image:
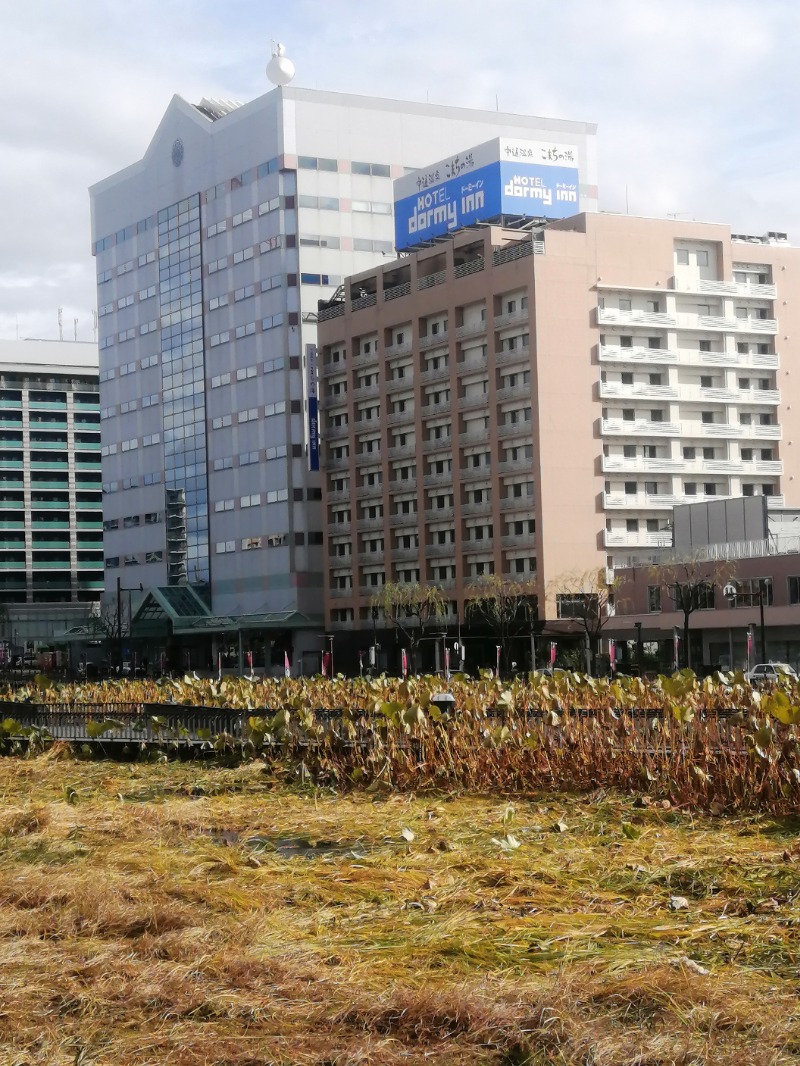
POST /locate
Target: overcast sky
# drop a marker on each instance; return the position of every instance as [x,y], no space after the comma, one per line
[696,101]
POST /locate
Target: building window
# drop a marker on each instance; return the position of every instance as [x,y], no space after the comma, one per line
[653,598]
[581,605]
[794,590]
[747,591]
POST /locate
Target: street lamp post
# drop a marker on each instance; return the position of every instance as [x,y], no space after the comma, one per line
[730,591]
[120,590]
[761,619]
[639,649]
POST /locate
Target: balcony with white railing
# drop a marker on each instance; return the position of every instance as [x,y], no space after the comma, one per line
[613,316]
[710,429]
[698,394]
[644,501]
[616,390]
[616,464]
[763,432]
[620,427]
[686,320]
[614,538]
[611,353]
[726,288]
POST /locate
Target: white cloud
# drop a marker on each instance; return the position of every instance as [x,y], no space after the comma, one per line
[693,99]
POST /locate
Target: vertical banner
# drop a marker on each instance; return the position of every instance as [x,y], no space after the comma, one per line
[326,664]
[676,649]
[498,659]
[404,662]
[749,648]
[447,663]
[287,666]
[553,647]
[612,655]
[361,663]
[250,662]
[313,407]
[219,665]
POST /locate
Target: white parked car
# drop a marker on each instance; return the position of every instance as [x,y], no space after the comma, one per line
[770,672]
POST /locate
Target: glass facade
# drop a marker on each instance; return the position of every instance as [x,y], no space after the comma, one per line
[180,290]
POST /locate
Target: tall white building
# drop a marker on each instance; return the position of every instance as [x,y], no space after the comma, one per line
[212,253]
[51,550]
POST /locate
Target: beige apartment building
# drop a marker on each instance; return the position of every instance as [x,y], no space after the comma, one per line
[535,403]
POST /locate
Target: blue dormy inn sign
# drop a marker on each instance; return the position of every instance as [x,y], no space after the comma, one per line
[502,177]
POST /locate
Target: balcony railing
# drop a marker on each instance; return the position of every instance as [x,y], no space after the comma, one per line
[442,339]
[611,427]
[726,288]
[611,390]
[642,539]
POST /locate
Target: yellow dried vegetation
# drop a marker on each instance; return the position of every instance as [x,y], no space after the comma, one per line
[185,914]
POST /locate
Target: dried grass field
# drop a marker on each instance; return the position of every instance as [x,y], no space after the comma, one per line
[186,914]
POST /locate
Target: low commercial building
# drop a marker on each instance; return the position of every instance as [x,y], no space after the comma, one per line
[737,564]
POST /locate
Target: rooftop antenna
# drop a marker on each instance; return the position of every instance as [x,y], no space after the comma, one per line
[280,69]
[75,328]
[61,323]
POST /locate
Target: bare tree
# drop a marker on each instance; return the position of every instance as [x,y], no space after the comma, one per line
[587,598]
[691,582]
[411,609]
[506,606]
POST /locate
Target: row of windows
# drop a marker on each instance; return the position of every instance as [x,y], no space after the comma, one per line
[311,162]
[749,593]
[381,170]
[113,561]
[151,518]
[277,451]
[655,414]
[253,414]
[152,478]
[132,444]
[243,373]
[129,368]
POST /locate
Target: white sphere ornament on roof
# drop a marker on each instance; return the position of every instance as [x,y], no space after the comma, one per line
[280,69]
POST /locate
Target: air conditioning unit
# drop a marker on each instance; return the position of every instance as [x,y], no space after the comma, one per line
[609,575]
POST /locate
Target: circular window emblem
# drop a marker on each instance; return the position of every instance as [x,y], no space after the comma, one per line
[177,152]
